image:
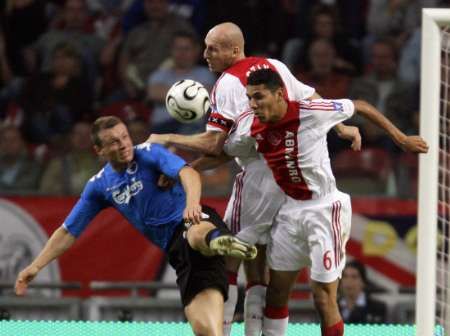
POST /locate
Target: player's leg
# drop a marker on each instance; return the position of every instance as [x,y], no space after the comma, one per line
[276,313]
[325,301]
[257,276]
[287,253]
[205,313]
[232,267]
[329,226]
[202,282]
[210,240]
[255,201]
[232,219]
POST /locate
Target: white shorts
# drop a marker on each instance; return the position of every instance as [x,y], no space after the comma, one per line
[312,233]
[254,204]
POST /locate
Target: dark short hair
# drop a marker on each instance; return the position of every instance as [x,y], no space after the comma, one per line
[192,36]
[359,267]
[103,123]
[271,79]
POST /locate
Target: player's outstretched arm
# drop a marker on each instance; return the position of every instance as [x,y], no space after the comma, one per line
[350,133]
[207,162]
[58,243]
[191,182]
[412,143]
[209,142]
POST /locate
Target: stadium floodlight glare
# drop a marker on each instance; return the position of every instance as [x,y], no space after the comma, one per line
[433,262]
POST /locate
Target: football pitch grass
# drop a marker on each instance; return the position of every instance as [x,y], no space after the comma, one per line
[56,328]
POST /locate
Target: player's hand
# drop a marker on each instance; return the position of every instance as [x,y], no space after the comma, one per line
[414,144]
[193,213]
[351,133]
[162,139]
[24,278]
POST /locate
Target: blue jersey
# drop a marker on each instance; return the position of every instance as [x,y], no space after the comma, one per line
[134,193]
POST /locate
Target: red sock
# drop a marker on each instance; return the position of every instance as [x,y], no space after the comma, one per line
[276,312]
[334,330]
[232,278]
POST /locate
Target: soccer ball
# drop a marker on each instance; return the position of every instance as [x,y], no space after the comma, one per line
[187,101]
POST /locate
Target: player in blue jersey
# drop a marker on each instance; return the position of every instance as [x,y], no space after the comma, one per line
[171,218]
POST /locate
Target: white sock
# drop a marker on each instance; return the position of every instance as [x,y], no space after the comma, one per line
[255,298]
[230,305]
[275,321]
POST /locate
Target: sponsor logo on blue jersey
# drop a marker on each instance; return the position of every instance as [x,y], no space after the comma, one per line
[123,195]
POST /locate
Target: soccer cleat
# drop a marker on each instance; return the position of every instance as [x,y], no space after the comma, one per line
[227,245]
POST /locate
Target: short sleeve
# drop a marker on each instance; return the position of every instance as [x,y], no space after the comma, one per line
[162,159]
[228,101]
[328,113]
[87,207]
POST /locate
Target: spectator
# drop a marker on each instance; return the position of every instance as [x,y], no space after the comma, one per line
[185,54]
[73,27]
[9,85]
[409,64]
[324,23]
[68,173]
[396,18]
[321,75]
[54,100]
[355,303]
[381,87]
[192,10]
[148,45]
[18,171]
[352,12]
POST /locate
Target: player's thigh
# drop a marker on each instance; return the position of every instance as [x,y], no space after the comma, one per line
[253,205]
[288,248]
[328,231]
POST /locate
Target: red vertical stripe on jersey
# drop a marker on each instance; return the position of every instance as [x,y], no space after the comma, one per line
[339,230]
[279,144]
[333,224]
[236,211]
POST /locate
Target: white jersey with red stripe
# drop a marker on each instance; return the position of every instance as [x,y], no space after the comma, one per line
[256,198]
[295,148]
[229,100]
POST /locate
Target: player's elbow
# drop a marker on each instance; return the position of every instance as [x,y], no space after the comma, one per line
[214,142]
[360,105]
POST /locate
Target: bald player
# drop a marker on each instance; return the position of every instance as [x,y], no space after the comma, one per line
[256,198]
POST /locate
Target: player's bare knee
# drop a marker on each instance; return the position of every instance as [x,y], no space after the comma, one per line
[201,326]
[277,297]
[194,236]
[324,300]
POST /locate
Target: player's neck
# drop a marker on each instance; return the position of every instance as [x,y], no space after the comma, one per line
[280,110]
[118,166]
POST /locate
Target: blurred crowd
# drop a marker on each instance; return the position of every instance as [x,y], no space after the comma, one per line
[65,62]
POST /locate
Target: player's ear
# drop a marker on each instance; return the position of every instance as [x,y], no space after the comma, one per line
[236,51]
[279,93]
[98,150]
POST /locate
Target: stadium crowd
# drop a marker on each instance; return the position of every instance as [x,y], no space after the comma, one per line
[63,63]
